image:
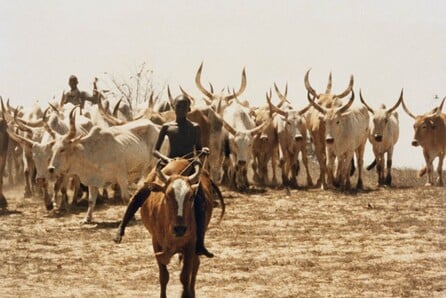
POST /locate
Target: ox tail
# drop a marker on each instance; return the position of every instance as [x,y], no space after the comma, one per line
[372,165]
[352,168]
[217,191]
[422,172]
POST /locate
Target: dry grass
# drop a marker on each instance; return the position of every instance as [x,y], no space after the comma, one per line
[387,242]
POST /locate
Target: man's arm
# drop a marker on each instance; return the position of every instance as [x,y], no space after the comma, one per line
[198,145]
[161,137]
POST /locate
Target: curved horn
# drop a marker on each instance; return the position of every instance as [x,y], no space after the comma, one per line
[273,108]
[242,87]
[55,109]
[304,110]
[364,103]
[46,126]
[307,84]
[440,107]
[257,129]
[407,110]
[199,85]
[211,87]
[159,167]
[348,90]
[20,139]
[397,103]
[72,132]
[347,105]
[191,99]
[328,90]
[62,99]
[315,105]
[169,94]
[282,97]
[116,108]
[195,177]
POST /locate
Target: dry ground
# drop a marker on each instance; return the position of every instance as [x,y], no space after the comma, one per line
[312,243]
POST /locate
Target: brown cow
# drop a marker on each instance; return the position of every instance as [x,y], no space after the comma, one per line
[430,134]
[168,215]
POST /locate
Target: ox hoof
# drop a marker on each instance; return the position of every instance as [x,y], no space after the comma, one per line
[86,221]
[3,202]
[118,237]
[49,206]
[428,184]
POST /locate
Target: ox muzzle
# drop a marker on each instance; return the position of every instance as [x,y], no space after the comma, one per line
[415,143]
[378,137]
[298,138]
[329,140]
[179,230]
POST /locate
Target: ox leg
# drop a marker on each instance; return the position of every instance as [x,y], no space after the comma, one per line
[46,197]
[294,172]
[91,204]
[164,279]
[330,166]
[440,170]
[388,180]
[429,167]
[274,169]
[27,193]
[186,273]
[193,278]
[360,160]
[135,203]
[3,202]
[307,170]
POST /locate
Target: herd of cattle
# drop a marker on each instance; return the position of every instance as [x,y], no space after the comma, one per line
[97,146]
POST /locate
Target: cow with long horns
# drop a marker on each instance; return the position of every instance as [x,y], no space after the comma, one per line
[383,136]
[316,124]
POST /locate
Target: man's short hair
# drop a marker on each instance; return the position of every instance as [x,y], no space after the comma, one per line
[73,78]
[181,98]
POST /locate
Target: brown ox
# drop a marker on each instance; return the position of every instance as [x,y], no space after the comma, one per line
[430,134]
[168,215]
[316,125]
[383,137]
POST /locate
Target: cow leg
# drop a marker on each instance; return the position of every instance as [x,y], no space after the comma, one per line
[294,172]
[27,193]
[91,204]
[330,165]
[307,170]
[440,170]
[360,161]
[388,180]
[429,167]
[193,278]
[3,202]
[274,168]
[164,279]
[186,272]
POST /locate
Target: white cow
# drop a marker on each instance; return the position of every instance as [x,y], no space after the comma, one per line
[346,133]
[119,154]
[383,136]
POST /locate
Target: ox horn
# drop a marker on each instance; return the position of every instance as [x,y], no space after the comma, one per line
[257,129]
[54,109]
[328,90]
[62,99]
[109,118]
[273,108]
[20,139]
[159,172]
[5,113]
[116,108]
[407,110]
[195,177]
[389,111]
[440,107]
[346,106]
[315,105]
[242,87]
[200,87]
[348,90]
[191,99]
[72,132]
[365,104]
[282,97]
[307,84]
[305,109]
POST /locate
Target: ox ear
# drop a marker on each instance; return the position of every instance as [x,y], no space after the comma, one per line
[157,187]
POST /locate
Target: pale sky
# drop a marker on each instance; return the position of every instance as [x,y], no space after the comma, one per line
[386,45]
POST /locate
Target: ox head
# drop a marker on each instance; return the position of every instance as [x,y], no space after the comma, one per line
[179,195]
[327,99]
[381,116]
[332,118]
[63,149]
[426,125]
[213,99]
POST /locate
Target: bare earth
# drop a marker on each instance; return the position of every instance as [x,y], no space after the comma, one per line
[312,243]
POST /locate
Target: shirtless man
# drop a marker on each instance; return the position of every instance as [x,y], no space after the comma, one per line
[75,96]
[184,138]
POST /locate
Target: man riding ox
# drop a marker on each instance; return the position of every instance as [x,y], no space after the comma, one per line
[383,136]
[169,216]
[316,124]
[346,133]
[430,134]
[291,128]
[118,155]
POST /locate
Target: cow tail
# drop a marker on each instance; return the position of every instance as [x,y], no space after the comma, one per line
[372,165]
[217,191]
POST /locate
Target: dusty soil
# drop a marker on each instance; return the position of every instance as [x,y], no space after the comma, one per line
[311,243]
